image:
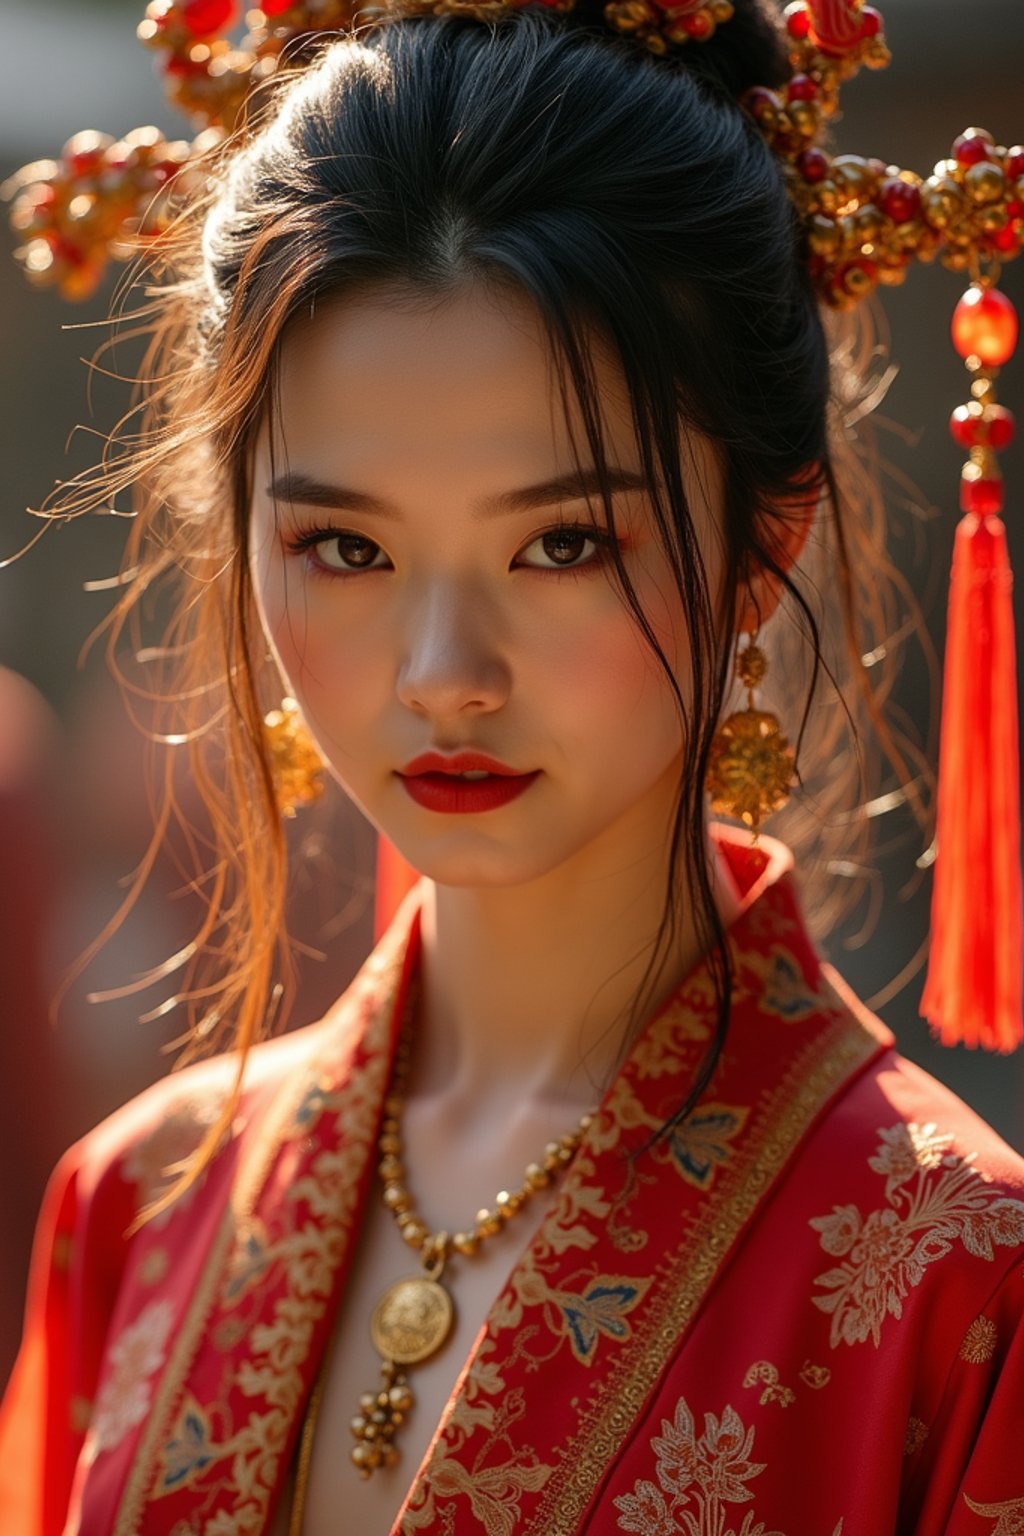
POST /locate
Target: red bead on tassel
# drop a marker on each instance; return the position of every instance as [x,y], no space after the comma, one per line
[974,991]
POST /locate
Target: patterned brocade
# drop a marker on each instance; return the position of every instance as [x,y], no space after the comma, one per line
[667,1354]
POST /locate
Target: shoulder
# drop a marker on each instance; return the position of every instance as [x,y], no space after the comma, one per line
[916,1124]
[126,1162]
[912,1209]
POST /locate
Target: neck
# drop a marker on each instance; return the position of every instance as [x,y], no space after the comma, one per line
[527,991]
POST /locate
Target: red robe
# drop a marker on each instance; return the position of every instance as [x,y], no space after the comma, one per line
[802,1316]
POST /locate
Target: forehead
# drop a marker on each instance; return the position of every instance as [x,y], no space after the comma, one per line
[390,369]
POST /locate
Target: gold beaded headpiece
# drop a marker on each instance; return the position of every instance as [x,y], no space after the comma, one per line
[866,222]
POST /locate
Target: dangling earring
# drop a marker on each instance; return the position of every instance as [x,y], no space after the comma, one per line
[295,763]
[750,767]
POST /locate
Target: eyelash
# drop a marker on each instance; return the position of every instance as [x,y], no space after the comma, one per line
[306,542]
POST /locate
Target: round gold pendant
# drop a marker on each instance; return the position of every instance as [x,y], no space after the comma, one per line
[412,1320]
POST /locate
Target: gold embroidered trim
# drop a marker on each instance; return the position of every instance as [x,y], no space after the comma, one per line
[248,1186]
[813,1078]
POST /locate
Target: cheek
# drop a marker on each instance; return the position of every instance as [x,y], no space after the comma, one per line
[606,683]
[321,661]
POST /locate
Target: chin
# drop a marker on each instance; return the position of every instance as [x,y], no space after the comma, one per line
[484,868]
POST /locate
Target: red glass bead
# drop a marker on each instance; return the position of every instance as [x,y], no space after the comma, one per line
[1007,242]
[205,18]
[1001,426]
[966,427]
[798,21]
[761,103]
[276,7]
[900,200]
[177,65]
[802,88]
[698,26]
[972,147]
[813,165]
[63,250]
[985,326]
[870,22]
[992,427]
[980,496]
[1015,162]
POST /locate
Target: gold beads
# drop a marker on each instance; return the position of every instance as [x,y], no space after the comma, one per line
[380,1414]
[413,1318]
[489,1221]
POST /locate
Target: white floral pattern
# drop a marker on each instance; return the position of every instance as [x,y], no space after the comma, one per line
[935,1198]
[132,1361]
[697,1477]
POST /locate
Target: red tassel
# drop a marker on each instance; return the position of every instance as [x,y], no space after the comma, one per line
[395,879]
[974,991]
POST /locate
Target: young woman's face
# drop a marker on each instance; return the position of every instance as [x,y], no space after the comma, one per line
[432,578]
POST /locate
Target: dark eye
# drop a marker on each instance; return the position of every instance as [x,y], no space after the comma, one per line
[348,552]
[561,547]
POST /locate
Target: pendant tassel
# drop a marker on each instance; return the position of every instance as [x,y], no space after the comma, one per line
[974,990]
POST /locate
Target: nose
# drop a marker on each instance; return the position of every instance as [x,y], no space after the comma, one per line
[452,662]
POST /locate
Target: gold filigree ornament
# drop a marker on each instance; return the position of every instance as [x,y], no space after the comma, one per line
[750,768]
[866,220]
[295,763]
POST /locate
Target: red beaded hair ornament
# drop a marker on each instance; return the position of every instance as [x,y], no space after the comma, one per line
[866,222]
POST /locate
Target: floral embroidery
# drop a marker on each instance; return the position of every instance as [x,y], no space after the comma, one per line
[493,1488]
[917,1434]
[935,1198]
[699,1475]
[979,1342]
[784,989]
[249,1260]
[154,1266]
[189,1450]
[147,1165]
[762,1371]
[601,1309]
[134,1358]
[1009,1515]
[815,1376]
[700,1145]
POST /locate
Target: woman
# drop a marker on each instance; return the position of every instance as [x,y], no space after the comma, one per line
[489,420]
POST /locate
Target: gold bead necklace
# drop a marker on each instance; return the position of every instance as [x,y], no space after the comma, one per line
[414,1317]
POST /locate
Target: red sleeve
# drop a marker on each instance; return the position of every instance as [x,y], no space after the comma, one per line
[77,1257]
[970,1477]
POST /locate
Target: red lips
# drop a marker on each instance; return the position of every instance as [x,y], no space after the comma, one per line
[433,781]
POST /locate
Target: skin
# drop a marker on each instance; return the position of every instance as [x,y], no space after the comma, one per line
[463,632]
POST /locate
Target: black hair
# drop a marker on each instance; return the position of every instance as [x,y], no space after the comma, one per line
[630,198]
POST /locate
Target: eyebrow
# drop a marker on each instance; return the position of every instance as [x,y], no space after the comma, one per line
[306,490]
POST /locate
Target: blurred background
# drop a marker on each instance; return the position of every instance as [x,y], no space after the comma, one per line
[74,815]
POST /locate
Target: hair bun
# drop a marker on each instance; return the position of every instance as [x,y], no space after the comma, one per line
[752,48]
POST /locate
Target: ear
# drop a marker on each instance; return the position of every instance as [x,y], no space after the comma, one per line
[758,596]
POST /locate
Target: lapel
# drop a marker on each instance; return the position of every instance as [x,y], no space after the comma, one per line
[600,1300]
[594,1306]
[247,1332]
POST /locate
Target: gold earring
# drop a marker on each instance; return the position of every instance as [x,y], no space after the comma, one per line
[750,766]
[295,763]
